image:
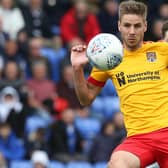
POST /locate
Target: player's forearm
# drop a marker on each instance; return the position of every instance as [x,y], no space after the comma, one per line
[81,87]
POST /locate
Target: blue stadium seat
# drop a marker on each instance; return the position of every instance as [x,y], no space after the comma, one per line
[55,164]
[79,165]
[109,89]
[33,123]
[106,106]
[54,57]
[20,164]
[28,164]
[100,165]
[88,127]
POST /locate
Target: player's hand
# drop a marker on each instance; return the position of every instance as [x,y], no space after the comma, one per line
[78,56]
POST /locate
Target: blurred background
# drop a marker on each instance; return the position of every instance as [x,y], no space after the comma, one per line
[42,124]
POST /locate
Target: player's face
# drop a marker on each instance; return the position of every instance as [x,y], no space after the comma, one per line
[132,28]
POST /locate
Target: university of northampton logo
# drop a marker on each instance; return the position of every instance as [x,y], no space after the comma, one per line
[121,78]
[151,56]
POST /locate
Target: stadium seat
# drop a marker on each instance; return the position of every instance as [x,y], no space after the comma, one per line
[107,103]
[54,57]
[28,164]
[33,123]
[78,165]
[20,164]
[100,165]
[108,89]
[88,127]
[106,106]
[55,164]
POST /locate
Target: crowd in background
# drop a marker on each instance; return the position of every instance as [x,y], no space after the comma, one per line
[39,109]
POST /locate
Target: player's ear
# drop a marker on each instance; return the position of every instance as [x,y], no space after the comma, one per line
[119,23]
[145,26]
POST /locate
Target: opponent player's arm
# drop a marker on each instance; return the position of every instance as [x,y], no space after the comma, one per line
[85,91]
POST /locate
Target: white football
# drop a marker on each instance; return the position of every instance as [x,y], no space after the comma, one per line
[105,51]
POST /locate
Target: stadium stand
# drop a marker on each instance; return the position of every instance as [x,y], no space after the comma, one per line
[21,34]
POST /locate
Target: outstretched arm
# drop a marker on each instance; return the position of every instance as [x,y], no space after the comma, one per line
[85,91]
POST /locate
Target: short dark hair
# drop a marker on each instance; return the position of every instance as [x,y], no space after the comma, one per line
[132,7]
[164,28]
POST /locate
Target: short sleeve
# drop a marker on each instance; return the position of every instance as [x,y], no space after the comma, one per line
[163,48]
[98,77]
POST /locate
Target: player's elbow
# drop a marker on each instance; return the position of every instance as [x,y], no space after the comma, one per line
[85,101]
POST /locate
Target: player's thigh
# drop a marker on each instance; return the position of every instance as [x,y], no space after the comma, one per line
[163,164]
[161,147]
[136,148]
[124,159]
[162,160]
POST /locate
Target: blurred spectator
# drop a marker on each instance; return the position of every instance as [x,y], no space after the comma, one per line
[3,162]
[163,10]
[22,2]
[108,17]
[36,20]
[60,104]
[103,144]
[11,53]
[94,5]
[12,110]
[34,55]
[40,88]
[158,13]
[3,35]
[10,146]
[165,31]
[153,7]
[66,88]
[157,29]
[11,17]
[40,159]
[78,25]
[55,9]
[37,140]
[12,76]
[9,100]
[65,140]
[22,41]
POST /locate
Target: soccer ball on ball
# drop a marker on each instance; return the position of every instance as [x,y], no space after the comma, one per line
[104,51]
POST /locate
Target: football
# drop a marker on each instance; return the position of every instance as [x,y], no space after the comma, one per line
[104,51]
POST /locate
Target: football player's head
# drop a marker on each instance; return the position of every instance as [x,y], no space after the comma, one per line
[132,23]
